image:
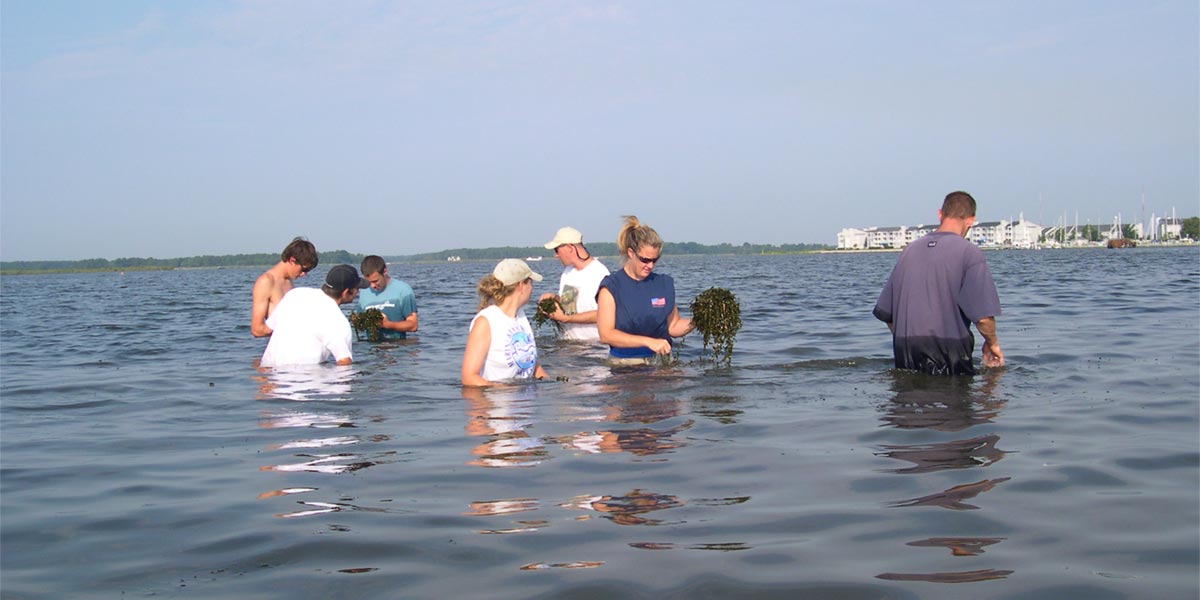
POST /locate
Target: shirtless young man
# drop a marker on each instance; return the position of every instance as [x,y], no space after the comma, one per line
[298,258]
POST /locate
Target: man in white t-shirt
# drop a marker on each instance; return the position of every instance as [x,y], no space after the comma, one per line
[578,286]
[308,325]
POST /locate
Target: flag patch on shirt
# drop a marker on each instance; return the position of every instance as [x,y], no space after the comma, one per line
[658,302]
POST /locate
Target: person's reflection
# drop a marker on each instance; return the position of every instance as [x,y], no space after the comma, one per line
[718,408]
[642,441]
[953,498]
[646,408]
[958,546]
[639,442]
[942,403]
[294,398]
[305,383]
[958,454]
[627,509]
[948,404]
[502,414]
[501,507]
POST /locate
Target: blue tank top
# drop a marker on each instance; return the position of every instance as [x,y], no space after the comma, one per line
[642,308]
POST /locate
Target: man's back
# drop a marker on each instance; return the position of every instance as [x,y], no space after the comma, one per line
[280,286]
[307,328]
[269,290]
[940,285]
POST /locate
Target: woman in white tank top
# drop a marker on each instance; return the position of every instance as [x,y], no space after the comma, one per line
[500,346]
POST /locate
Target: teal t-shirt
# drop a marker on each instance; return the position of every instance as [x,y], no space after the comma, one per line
[396,302]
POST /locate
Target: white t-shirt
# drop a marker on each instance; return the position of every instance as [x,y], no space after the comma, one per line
[512,353]
[577,290]
[307,327]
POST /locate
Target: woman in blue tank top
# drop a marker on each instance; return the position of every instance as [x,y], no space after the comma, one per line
[636,314]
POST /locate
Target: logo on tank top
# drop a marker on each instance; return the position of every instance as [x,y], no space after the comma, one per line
[931,243]
[658,302]
[521,351]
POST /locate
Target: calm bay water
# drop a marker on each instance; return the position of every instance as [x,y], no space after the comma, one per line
[143,454]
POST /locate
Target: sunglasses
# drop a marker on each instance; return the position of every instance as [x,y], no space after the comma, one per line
[647,261]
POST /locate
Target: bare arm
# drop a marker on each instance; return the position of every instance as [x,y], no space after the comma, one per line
[677,326]
[476,353]
[606,324]
[261,303]
[559,315]
[992,355]
[583,317]
[407,325]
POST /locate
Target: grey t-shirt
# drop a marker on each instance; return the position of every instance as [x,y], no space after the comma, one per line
[940,285]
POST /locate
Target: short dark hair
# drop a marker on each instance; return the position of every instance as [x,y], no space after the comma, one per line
[303,251]
[958,205]
[373,264]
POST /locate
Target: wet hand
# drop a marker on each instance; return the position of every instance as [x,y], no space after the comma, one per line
[992,355]
[660,346]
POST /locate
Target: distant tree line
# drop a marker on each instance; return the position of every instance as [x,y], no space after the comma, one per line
[191,262]
[610,249]
[344,257]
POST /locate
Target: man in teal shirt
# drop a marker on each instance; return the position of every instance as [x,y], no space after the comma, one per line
[392,297]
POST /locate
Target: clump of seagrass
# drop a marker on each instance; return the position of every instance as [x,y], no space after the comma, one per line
[542,316]
[716,314]
[367,322]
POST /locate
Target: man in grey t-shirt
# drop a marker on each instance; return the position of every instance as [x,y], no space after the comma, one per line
[941,285]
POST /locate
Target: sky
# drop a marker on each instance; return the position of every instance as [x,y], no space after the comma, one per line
[167,129]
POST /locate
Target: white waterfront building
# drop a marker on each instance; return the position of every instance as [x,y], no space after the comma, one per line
[1165,228]
[1000,234]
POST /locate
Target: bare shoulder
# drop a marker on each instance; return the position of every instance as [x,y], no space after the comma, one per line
[265,283]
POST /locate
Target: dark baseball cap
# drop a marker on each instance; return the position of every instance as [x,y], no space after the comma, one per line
[344,277]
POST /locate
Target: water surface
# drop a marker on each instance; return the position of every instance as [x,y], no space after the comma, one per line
[143,454]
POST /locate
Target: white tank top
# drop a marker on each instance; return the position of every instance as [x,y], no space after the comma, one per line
[512,353]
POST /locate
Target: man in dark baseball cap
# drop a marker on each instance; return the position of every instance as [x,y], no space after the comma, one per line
[308,326]
[341,278]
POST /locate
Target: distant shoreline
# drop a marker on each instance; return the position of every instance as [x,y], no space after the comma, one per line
[62,267]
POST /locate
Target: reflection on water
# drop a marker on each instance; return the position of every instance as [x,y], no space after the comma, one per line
[718,546]
[310,386]
[956,454]
[645,408]
[946,404]
[958,546]
[320,508]
[953,497]
[502,414]
[627,509]
[942,403]
[581,564]
[305,383]
[639,442]
[959,577]
[643,441]
[718,408]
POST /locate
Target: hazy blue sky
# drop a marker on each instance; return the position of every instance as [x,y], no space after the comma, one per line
[165,129]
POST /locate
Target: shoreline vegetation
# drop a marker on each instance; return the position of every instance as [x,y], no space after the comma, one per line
[598,249]
[265,260]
